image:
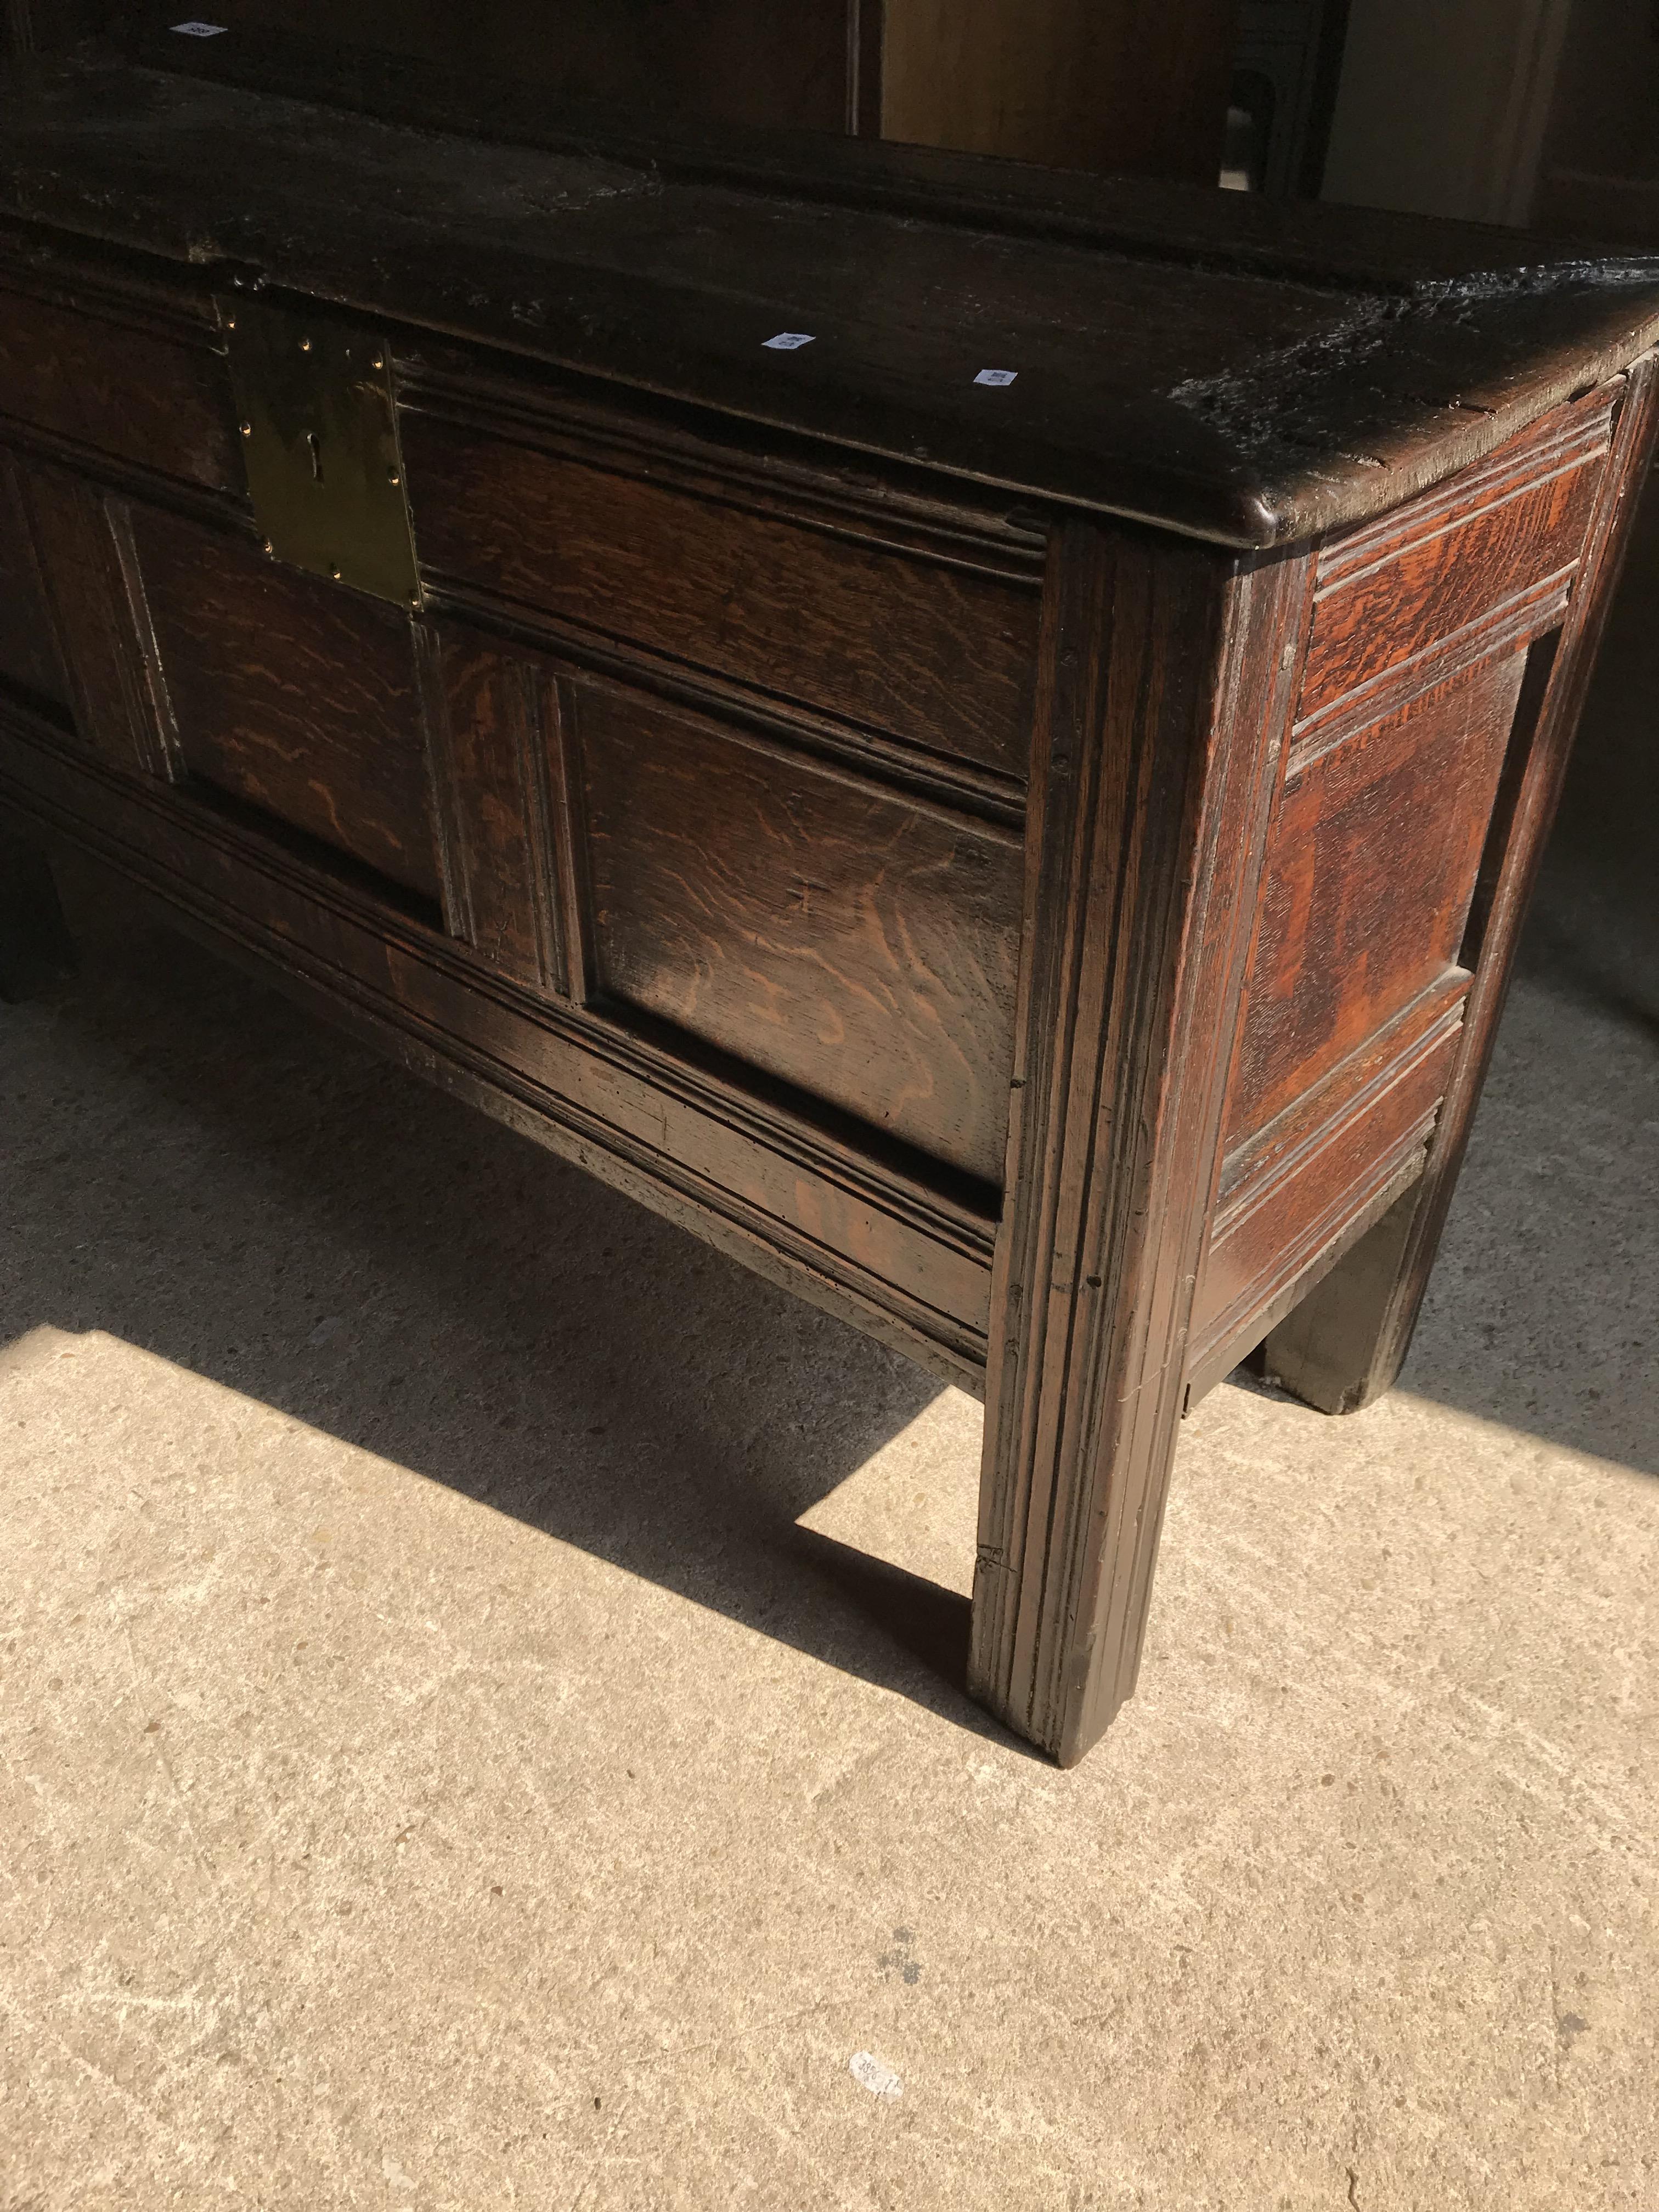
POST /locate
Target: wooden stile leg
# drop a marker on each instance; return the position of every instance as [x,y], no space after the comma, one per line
[1344,1345]
[1164,702]
[34,942]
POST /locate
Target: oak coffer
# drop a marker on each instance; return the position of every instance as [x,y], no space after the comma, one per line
[977,736]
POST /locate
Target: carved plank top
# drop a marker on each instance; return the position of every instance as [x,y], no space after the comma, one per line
[1250,374]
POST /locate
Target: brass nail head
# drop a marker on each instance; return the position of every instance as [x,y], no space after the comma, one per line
[248,429]
[305,345]
[392,477]
[268,547]
[379,360]
[335,573]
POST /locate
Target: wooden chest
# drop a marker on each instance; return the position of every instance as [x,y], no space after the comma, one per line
[977,737]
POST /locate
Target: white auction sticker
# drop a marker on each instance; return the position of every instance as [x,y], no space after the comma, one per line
[996,376]
[868,2071]
[201,30]
[787,341]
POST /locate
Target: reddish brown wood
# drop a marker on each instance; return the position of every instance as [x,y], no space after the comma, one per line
[790,610]
[83,538]
[1387,593]
[1374,859]
[1345,1344]
[291,695]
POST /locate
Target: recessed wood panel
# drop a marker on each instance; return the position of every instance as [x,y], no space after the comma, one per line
[29,658]
[293,694]
[491,710]
[119,390]
[1368,878]
[854,943]
[939,656]
[1387,592]
[1303,1194]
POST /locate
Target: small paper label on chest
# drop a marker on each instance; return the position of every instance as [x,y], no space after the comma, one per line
[787,341]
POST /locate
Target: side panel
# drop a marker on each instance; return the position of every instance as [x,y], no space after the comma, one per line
[1431,641]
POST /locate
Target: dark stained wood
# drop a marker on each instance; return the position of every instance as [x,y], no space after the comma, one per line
[738,61]
[35,945]
[1162,371]
[1116,84]
[118,389]
[842,937]
[742,814]
[488,714]
[1372,869]
[937,654]
[1345,1344]
[1165,703]
[291,695]
[28,653]
[99,620]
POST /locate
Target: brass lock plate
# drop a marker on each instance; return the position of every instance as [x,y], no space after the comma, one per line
[319,437]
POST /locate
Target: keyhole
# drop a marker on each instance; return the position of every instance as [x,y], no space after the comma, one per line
[316,455]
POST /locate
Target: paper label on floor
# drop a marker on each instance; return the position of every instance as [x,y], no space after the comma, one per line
[868,2071]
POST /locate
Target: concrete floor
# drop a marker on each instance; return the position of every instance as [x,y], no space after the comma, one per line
[439,1771]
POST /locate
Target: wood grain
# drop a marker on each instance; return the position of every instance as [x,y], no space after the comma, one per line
[292,695]
[1249,373]
[1345,1344]
[1292,1206]
[115,389]
[1166,699]
[1387,594]
[829,933]
[939,655]
[99,619]
[1369,880]
[488,712]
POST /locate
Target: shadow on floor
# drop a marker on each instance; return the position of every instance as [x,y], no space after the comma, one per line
[1544,1309]
[214,1178]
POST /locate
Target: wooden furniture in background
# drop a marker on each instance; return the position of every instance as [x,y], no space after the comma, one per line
[1030,865]
[1125,85]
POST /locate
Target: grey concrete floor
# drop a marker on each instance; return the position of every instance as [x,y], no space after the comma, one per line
[450,1758]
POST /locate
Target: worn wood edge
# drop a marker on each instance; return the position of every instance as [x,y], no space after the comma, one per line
[1240,504]
[1474,492]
